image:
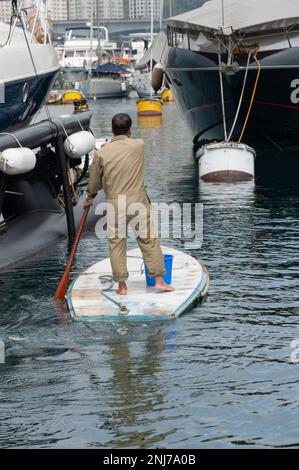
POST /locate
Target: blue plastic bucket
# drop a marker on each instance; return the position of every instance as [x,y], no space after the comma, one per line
[168,261]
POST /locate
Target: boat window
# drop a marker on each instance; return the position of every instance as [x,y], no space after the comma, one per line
[175,39]
[69,54]
[81,54]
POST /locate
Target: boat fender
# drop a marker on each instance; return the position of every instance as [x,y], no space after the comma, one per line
[79,144]
[100,143]
[157,77]
[17,161]
[123,86]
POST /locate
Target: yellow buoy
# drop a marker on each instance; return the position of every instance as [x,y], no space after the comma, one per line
[149,107]
[70,96]
[167,96]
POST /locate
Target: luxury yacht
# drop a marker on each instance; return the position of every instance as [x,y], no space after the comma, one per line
[233,66]
[28,70]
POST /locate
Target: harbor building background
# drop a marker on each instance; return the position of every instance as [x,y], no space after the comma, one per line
[5,11]
[81,9]
[142,9]
[62,10]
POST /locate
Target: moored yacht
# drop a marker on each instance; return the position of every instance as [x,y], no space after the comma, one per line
[44,166]
[108,80]
[233,67]
[29,67]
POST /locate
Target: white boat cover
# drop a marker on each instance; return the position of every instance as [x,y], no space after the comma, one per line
[160,47]
[243,16]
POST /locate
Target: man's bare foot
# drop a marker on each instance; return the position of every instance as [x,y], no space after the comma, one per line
[122,289]
[161,286]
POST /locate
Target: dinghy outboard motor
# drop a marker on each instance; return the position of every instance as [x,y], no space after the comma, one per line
[79,144]
[17,161]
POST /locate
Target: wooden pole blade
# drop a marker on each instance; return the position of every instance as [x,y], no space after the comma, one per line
[64,282]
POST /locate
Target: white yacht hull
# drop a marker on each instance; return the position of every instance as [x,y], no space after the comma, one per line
[26,78]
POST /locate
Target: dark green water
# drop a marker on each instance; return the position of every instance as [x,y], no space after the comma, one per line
[220,376]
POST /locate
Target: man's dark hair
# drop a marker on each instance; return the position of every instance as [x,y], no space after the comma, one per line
[121,124]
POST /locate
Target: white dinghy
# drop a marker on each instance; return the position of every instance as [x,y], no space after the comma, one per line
[93,296]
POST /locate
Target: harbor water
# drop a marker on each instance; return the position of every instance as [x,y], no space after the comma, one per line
[222,376]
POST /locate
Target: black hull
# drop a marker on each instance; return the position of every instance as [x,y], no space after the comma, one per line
[37,230]
[274,120]
[37,207]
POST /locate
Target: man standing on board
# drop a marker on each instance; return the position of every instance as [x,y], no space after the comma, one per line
[118,168]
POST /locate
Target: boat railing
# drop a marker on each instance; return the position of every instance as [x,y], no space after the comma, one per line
[34,16]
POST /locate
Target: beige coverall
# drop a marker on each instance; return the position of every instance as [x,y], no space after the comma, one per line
[118,168]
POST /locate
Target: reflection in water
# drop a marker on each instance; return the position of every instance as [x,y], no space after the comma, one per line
[220,376]
[150,121]
[136,393]
[228,195]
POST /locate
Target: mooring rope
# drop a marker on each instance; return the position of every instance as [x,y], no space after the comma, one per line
[241,97]
[104,279]
[252,98]
[222,96]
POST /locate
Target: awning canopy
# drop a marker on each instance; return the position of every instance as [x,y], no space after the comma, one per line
[243,16]
[110,67]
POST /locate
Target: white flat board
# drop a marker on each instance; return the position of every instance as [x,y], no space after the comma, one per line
[87,299]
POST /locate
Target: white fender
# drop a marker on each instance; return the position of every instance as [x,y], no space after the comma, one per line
[17,161]
[80,144]
[157,77]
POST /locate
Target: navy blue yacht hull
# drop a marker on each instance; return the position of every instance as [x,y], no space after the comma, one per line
[19,109]
[274,120]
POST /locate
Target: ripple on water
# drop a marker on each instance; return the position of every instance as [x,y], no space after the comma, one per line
[220,376]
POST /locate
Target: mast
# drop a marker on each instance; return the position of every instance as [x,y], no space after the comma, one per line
[91,31]
[152,40]
[161,14]
[98,31]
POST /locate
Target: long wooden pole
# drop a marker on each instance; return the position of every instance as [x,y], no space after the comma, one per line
[64,282]
[152,42]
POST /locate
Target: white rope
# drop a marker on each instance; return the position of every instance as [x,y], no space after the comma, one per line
[65,131]
[80,124]
[241,97]
[222,96]
[12,135]
[62,126]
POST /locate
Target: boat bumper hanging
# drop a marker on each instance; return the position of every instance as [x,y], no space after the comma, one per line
[226,162]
